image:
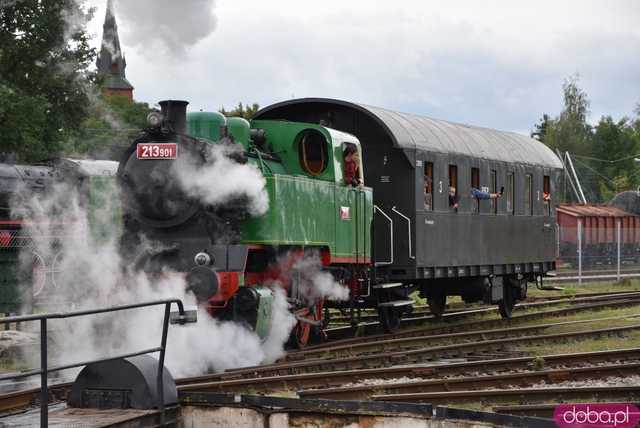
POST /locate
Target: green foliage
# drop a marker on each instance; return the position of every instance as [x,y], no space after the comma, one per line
[602,154]
[570,130]
[614,146]
[241,111]
[110,126]
[44,60]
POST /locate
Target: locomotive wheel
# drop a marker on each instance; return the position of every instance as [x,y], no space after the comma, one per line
[301,334]
[389,318]
[507,303]
[437,305]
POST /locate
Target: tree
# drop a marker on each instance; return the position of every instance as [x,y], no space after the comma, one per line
[44,61]
[540,131]
[570,130]
[241,111]
[111,125]
[613,150]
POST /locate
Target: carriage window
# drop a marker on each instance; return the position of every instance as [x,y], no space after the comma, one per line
[475,184]
[453,195]
[312,151]
[453,176]
[493,189]
[528,195]
[546,195]
[428,186]
[510,193]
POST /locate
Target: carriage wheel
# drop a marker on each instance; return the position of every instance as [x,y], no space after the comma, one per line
[507,303]
[437,305]
[389,318]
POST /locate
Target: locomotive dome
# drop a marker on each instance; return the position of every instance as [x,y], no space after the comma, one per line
[414,132]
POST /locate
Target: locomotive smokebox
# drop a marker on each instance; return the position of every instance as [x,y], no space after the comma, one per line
[123,383]
[175,114]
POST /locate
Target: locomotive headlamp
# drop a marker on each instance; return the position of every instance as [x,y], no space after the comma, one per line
[202,259]
[154,119]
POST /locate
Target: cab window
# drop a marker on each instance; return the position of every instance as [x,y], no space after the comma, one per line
[352,165]
[312,152]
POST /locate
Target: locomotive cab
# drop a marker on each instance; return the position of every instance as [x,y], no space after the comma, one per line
[232,250]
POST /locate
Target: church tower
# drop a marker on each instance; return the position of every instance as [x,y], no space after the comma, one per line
[111,63]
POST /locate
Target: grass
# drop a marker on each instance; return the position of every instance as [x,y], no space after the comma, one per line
[629,339]
[573,289]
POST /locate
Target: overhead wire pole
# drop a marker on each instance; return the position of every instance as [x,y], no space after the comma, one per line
[584,200]
[566,174]
[618,245]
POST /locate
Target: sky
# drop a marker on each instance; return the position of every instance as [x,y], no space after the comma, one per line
[498,64]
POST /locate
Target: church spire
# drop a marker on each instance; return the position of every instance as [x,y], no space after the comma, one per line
[111,63]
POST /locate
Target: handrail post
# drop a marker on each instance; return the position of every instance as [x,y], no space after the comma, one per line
[44,390]
[163,346]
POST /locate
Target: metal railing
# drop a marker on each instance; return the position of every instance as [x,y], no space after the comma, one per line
[45,370]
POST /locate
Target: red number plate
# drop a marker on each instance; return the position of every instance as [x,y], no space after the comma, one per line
[157,151]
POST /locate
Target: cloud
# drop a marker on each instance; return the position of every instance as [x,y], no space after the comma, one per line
[173,25]
[497,64]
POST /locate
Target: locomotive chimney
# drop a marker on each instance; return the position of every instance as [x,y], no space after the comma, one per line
[175,114]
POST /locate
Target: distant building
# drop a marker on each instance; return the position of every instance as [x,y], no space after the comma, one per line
[111,63]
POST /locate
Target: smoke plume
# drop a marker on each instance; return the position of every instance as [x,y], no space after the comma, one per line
[222,179]
[169,24]
[313,283]
[90,273]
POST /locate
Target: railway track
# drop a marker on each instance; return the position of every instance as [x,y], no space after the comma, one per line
[417,340]
[499,381]
[473,349]
[332,379]
[523,395]
[408,357]
[329,383]
[628,300]
[370,329]
[454,307]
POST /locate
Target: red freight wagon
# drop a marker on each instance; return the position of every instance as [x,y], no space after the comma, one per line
[598,233]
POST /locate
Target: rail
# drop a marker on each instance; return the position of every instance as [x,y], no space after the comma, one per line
[45,370]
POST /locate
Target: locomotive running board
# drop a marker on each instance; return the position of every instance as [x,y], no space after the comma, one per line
[395,303]
[389,285]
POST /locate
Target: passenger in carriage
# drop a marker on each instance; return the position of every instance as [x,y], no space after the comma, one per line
[351,166]
[454,199]
[479,194]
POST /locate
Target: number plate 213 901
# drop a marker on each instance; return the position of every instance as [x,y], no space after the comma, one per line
[157,151]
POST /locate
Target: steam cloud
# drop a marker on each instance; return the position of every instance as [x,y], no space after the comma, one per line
[314,284]
[222,178]
[176,25]
[90,273]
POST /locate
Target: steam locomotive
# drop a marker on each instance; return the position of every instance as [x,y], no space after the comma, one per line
[20,182]
[397,234]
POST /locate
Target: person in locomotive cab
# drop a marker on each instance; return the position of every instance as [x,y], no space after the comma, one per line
[480,194]
[454,199]
[351,166]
